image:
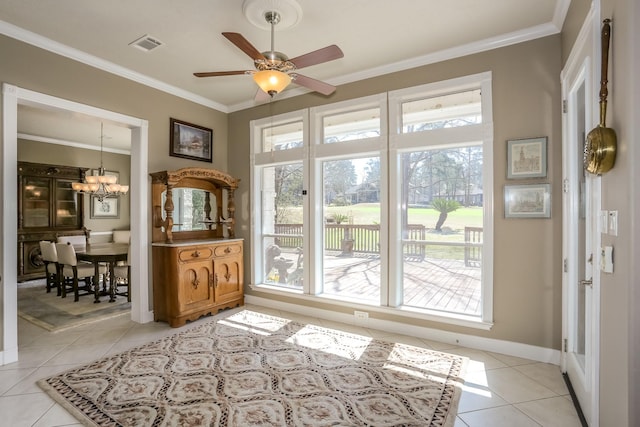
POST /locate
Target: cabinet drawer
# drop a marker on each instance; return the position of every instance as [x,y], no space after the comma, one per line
[195,254]
[225,250]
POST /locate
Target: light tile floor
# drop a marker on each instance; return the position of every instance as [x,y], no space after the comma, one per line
[499,390]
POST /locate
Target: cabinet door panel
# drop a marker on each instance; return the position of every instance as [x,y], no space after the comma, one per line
[67,212]
[195,291]
[228,278]
[36,206]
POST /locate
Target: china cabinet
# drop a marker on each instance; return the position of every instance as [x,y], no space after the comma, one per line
[47,208]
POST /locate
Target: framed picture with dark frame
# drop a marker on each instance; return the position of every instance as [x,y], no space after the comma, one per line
[527,158]
[108,207]
[191,141]
[527,201]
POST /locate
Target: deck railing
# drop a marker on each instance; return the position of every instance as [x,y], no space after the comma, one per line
[362,238]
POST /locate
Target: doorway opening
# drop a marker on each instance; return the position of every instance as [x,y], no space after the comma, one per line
[12,96]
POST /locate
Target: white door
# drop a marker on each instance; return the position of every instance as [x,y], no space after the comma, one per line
[581,238]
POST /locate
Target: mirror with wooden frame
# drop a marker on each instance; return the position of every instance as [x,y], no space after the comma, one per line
[192,203]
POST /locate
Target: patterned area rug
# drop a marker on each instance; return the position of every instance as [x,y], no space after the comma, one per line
[250,369]
[55,314]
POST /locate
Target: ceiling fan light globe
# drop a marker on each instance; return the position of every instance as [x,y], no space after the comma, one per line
[272,81]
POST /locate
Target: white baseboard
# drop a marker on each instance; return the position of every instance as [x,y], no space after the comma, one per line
[539,354]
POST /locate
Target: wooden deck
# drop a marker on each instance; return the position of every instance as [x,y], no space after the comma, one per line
[436,284]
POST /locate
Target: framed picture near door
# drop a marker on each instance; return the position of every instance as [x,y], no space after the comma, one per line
[527,158]
[527,201]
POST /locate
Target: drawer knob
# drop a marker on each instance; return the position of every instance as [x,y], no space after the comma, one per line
[227,250]
[195,254]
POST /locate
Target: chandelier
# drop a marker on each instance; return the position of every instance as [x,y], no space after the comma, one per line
[100,185]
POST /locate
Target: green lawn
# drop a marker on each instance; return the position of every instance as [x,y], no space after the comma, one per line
[369,213]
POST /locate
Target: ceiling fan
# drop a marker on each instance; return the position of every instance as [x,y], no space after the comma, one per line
[274,70]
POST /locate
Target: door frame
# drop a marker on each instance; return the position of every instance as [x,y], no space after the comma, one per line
[588,39]
[12,96]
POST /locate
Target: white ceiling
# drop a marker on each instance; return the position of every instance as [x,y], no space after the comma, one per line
[376,36]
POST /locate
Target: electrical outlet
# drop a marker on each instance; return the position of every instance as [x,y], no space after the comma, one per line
[362,315]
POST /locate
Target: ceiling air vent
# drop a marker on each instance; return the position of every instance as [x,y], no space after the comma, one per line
[146,43]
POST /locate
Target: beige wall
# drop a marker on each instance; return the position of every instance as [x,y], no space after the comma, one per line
[526,100]
[52,154]
[620,296]
[578,10]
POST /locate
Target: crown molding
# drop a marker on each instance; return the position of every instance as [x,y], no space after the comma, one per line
[509,39]
[39,41]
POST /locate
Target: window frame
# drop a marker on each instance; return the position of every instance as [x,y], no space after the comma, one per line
[444,138]
[388,146]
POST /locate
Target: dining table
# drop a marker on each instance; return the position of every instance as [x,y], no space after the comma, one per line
[107,253]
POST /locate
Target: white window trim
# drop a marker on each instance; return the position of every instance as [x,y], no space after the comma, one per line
[387,146]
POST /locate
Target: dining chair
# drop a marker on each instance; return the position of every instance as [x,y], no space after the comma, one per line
[122,273]
[71,270]
[50,259]
[79,242]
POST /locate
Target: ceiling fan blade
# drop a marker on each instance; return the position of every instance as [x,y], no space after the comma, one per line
[313,84]
[220,73]
[319,56]
[244,45]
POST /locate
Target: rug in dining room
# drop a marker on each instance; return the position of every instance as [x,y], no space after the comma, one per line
[56,314]
[252,369]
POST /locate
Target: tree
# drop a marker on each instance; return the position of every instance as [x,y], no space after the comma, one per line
[288,189]
[339,176]
[444,206]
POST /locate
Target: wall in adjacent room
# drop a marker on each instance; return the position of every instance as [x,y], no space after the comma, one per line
[52,154]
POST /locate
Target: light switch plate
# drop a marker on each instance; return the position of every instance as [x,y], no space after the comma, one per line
[613,223]
[604,222]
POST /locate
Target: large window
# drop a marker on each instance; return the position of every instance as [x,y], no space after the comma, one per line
[384,201]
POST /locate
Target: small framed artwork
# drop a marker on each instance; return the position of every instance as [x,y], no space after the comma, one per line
[527,201]
[527,158]
[108,207]
[191,141]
